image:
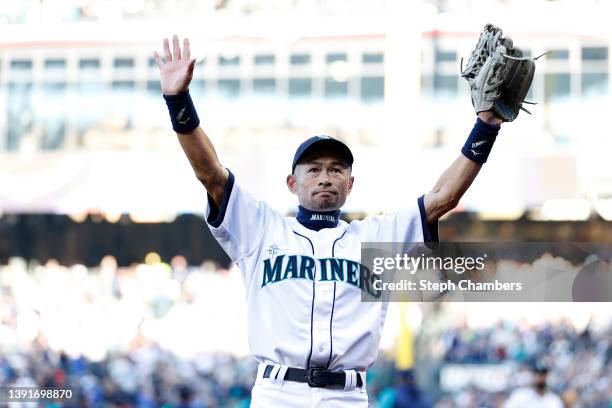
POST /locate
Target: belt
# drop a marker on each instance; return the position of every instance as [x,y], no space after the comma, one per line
[315,377]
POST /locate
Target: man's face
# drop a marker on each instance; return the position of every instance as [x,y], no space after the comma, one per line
[539,381]
[322,181]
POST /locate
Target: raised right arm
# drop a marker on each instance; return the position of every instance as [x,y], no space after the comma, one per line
[203,158]
[176,73]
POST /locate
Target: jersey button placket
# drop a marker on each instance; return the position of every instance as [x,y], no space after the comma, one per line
[321,325]
[322,314]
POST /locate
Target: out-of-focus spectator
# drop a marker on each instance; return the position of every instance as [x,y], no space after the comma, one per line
[407,393]
[537,395]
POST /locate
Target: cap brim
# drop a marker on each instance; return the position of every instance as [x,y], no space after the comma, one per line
[332,145]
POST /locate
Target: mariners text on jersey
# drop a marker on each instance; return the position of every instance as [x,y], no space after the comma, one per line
[353,273]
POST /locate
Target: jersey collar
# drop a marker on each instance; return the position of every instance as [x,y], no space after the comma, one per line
[317,220]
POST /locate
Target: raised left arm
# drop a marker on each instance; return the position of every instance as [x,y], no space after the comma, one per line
[455,180]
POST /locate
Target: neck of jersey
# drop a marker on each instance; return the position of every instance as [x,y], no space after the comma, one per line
[317,220]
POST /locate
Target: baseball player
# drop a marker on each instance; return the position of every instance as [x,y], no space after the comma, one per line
[536,396]
[307,327]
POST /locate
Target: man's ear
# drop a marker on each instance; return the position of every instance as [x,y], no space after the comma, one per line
[292,183]
[351,181]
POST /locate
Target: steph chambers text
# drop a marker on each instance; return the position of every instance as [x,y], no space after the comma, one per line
[447,286]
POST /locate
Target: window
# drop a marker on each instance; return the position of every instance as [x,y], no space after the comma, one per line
[21,65]
[154,87]
[89,64]
[558,55]
[55,64]
[264,86]
[445,56]
[123,85]
[594,53]
[19,90]
[123,63]
[331,58]
[300,59]
[445,84]
[264,59]
[20,95]
[53,132]
[300,87]
[152,63]
[594,83]
[229,62]
[372,88]
[229,87]
[556,86]
[335,89]
[372,58]
[54,87]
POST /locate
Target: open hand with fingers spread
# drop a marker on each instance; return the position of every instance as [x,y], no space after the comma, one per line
[177,69]
[176,74]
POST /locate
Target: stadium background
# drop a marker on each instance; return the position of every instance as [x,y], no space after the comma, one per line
[111,284]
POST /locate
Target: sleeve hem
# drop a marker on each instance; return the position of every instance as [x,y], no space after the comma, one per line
[216,214]
[430,230]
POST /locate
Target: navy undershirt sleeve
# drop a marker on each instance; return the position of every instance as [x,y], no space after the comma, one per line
[430,231]
[216,214]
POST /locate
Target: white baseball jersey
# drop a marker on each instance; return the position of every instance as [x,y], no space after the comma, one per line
[303,286]
[528,397]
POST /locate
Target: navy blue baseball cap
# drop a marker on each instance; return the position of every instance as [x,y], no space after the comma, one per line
[325,142]
[539,368]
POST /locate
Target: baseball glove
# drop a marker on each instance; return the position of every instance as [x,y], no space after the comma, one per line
[499,75]
[517,78]
[486,86]
[487,43]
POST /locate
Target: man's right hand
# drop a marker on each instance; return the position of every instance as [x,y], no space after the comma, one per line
[177,70]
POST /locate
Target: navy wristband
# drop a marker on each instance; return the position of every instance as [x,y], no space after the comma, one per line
[182,112]
[480,141]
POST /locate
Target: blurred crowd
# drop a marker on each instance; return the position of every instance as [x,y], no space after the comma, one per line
[173,335]
[145,376]
[92,310]
[142,336]
[579,361]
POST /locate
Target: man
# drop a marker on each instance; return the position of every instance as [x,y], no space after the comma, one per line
[536,396]
[308,329]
